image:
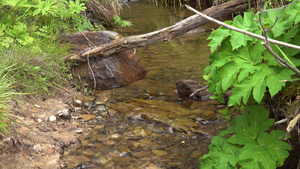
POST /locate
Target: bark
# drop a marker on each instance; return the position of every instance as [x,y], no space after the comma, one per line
[165,34]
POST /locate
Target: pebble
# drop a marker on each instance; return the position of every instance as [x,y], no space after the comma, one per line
[38,148]
[101,108]
[64,113]
[39,120]
[78,131]
[52,118]
[77,103]
[37,106]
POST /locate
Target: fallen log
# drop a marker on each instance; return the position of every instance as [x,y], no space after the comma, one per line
[166,34]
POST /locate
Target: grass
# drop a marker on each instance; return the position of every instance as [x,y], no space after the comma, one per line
[25,72]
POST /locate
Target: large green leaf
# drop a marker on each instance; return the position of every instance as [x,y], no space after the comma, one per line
[255,157]
[222,154]
[217,37]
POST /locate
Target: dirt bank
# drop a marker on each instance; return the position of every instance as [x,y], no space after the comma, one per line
[45,128]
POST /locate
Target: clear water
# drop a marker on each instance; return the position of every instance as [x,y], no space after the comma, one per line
[149,126]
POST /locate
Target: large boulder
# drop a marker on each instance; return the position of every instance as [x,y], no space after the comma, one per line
[108,72]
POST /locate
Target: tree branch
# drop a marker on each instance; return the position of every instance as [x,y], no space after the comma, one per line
[243,31]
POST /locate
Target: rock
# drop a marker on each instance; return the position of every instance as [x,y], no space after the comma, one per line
[140,132]
[209,115]
[52,118]
[113,71]
[39,120]
[64,114]
[141,154]
[153,166]
[159,152]
[87,117]
[38,148]
[186,87]
[78,131]
[37,106]
[101,108]
[77,103]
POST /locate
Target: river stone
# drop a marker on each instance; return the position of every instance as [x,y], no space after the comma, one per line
[101,108]
[209,114]
[141,154]
[186,87]
[140,132]
[115,70]
[87,117]
[159,152]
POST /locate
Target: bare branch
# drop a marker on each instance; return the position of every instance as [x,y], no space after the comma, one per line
[243,31]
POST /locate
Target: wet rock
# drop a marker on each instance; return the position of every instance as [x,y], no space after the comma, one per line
[159,152]
[124,151]
[196,154]
[103,160]
[175,164]
[111,112]
[153,166]
[101,108]
[209,115]
[141,154]
[186,87]
[87,117]
[113,71]
[140,132]
[204,104]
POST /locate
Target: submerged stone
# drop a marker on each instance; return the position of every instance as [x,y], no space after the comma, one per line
[159,152]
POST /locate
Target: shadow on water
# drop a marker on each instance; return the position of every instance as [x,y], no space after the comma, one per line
[145,124]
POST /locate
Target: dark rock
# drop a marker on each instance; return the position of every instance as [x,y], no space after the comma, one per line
[109,72]
[186,87]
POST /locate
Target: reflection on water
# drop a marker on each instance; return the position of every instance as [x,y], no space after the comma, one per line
[144,124]
[166,62]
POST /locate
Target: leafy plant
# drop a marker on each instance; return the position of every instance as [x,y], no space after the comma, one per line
[247,144]
[243,66]
[24,21]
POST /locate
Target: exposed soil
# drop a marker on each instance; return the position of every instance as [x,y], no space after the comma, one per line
[38,141]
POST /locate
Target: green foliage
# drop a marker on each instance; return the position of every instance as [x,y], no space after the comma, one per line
[243,66]
[247,144]
[6,94]
[118,21]
[25,22]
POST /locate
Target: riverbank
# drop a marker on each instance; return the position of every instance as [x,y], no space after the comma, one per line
[45,126]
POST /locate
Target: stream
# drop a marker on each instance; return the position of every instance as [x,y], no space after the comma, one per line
[145,124]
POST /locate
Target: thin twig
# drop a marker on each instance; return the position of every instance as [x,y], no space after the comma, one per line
[95,83]
[243,31]
[198,90]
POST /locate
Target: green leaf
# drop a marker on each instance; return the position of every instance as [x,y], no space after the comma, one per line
[217,36]
[274,145]
[222,154]
[247,23]
[275,82]
[255,157]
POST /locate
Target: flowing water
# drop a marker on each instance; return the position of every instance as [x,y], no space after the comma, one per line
[145,124]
